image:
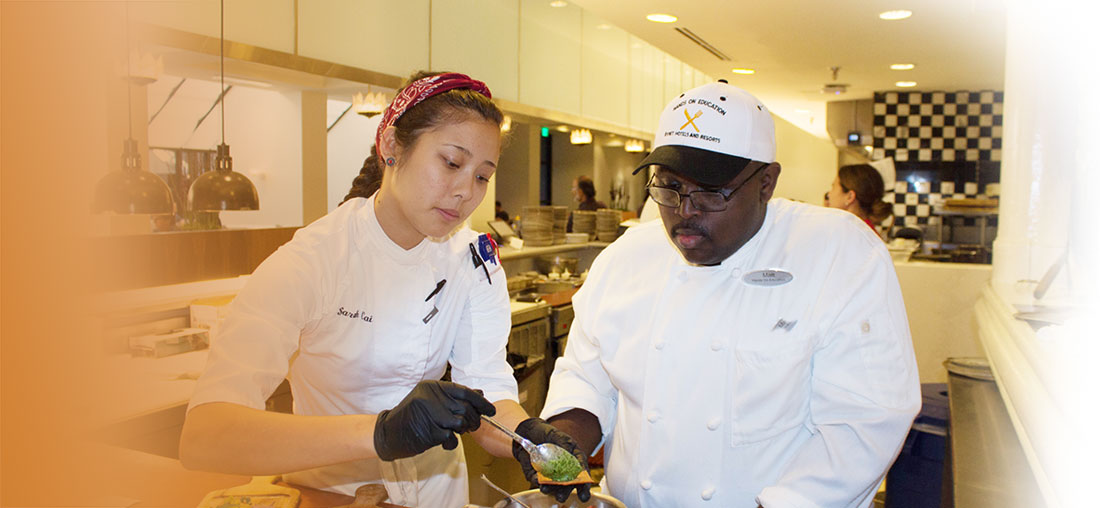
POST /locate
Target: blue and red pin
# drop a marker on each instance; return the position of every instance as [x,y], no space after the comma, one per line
[487,249]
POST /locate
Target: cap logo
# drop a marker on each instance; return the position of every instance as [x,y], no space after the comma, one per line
[691,120]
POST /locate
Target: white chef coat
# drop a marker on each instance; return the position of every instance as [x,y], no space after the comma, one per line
[713,391]
[342,309]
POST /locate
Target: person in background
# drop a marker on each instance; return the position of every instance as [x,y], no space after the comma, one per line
[501,214]
[825,202]
[742,351]
[363,311]
[858,188]
[584,193]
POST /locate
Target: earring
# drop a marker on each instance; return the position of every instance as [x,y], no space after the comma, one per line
[390,161]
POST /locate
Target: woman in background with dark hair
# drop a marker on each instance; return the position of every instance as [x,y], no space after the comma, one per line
[364,310]
[858,188]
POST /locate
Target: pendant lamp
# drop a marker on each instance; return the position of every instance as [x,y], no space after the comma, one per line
[131,189]
[222,188]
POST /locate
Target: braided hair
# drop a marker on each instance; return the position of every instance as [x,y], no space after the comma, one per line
[455,105]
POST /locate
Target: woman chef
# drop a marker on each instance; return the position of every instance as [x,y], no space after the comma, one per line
[363,310]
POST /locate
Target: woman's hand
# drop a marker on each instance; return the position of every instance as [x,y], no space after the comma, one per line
[431,414]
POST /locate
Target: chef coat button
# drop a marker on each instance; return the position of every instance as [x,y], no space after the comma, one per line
[652,416]
[646,484]
[707,494]
[659,345]
[715,346]
[714,423]
[736,272]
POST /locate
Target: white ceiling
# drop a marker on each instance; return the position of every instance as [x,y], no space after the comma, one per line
[955,45]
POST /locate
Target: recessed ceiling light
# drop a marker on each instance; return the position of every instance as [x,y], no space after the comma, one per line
[906,84]
[603,26]
[559,3]
[661,18]
[901,67]
[743,71]
[894,15]
[563,128]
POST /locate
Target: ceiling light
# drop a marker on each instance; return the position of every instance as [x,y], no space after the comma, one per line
[559,3]
[901,67]
[563,128]
[906,84]
[131,189]
[580,137]
[895,15]
[743,71]
[506,124]
[603,26]
[661,18]
[634,145]
[370,104]
[222,188]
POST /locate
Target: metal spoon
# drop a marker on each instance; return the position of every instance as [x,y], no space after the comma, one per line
[542,454]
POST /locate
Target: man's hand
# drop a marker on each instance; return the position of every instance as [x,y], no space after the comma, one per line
[538,431]
[431,414]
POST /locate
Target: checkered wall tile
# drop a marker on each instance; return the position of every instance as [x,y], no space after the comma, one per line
[938,126]
[914,202]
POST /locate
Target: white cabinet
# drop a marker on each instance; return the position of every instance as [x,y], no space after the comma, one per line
[673,74]
[479,38]
[382,36]
[605,77]
[550,56]
[264,23]
[646,85]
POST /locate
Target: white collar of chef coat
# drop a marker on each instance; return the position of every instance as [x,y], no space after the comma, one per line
[739,258]
[370,237]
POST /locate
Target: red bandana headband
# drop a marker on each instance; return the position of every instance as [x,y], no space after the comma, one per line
[421,89]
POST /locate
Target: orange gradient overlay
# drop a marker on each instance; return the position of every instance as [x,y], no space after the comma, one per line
[63,107]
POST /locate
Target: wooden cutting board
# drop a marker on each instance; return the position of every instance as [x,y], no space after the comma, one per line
[261,492]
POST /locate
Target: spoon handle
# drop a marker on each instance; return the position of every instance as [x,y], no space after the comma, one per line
[527,445]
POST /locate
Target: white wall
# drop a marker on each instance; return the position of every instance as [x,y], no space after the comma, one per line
[809,163]
[349,144]
[262,129]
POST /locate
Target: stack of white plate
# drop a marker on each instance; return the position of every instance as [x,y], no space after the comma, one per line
[561,219]
[607,224]
[537,226]
[585,222]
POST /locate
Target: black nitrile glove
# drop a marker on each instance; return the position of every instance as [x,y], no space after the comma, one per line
[538,431]
[431,414]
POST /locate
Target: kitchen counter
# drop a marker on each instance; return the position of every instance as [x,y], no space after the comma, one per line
[1047,381]
[939,301]
[508,253]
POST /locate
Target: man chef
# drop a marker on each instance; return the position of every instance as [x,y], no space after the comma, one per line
[743,350]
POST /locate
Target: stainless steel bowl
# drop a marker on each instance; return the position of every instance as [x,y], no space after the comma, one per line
[536,499]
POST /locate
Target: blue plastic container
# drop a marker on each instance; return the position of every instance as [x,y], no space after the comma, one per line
[916,478]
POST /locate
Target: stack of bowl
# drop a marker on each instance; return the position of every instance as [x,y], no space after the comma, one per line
[585,222]
[607,224]
[537,226]
[561,218]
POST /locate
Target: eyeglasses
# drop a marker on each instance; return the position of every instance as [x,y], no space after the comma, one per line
[702,200]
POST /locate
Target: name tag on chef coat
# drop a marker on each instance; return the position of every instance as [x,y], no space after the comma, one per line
[767,278]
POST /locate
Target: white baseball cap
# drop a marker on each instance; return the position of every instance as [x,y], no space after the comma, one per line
[710,133]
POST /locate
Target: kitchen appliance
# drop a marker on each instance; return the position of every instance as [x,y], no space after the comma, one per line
[561,321]
[528,344]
